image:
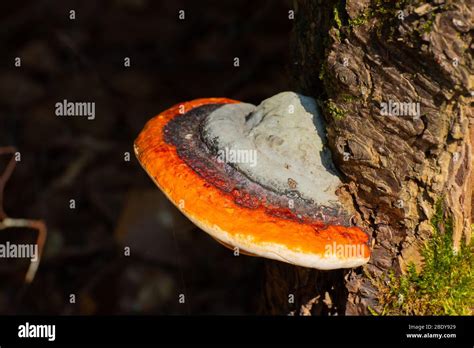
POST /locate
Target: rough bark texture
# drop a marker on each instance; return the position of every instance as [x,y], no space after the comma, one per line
[352,56]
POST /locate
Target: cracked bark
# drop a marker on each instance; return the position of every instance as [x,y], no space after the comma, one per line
[355,55]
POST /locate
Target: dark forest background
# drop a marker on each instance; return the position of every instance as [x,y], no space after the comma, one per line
[117,205]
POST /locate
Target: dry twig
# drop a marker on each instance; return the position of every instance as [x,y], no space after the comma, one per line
[7,222]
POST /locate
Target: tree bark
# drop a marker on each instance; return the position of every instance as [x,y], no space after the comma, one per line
[353,56]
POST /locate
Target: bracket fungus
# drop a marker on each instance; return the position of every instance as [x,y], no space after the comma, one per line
[256,178]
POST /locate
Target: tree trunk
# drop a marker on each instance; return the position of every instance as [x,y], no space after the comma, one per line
[353,56]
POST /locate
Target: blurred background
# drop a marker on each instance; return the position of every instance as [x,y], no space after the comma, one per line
[117,205]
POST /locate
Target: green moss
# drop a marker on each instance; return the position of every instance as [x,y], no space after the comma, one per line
[322,72]
[378,8]
[381,7]
[349,98]
[337,18]
[428,24]
[332,109]
[340,19]
[445,284]
[362,19]
[387,13]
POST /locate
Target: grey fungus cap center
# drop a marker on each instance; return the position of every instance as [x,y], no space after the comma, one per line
[279,144]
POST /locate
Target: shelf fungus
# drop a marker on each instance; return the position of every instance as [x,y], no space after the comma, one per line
[256,178]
